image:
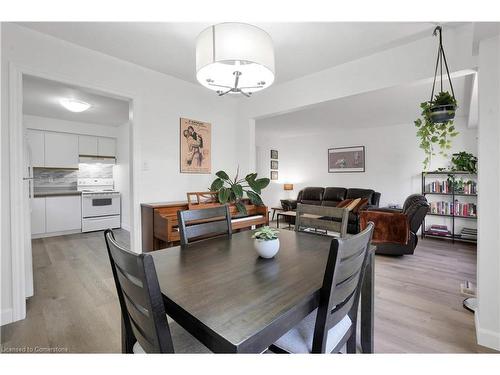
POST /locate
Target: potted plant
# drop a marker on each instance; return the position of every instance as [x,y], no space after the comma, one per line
[233,190]
[442,108]
[435,134]
[266,242]
[464,161]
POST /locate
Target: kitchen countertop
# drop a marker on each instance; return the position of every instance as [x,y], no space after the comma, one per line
[55,192]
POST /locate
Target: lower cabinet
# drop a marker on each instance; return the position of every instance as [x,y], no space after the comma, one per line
[63,213]
[38,216]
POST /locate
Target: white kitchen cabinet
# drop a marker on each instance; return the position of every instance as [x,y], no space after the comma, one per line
[38,216]
[87,145]
[106,146]
[36,146]
[61,150]
[63,213]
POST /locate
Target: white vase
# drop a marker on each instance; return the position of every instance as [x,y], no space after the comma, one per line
[267,249]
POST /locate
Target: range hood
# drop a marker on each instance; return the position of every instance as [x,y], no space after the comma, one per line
[96,159]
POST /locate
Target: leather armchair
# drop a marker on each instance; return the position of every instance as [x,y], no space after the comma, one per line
[414,210]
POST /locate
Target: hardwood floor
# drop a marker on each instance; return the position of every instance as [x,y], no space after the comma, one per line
[418,308]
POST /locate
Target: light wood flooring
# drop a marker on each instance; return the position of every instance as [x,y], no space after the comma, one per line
[418,308]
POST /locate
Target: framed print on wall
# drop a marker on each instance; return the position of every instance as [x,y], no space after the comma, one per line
[274,175]
[274,164]
[346,159]
[195,146]
[274,154]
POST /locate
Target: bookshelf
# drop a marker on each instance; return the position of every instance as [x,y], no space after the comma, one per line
[444,183]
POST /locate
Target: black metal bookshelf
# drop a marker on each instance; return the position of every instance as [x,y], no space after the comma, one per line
[453,236]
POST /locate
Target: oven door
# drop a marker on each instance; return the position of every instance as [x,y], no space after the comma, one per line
[94,205]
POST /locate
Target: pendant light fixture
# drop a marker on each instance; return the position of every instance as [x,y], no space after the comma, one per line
[234,58]
[443,105]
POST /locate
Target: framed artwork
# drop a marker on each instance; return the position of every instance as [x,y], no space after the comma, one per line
[346,159]
[274,175]
[274,154]
[274,164]
[195,146]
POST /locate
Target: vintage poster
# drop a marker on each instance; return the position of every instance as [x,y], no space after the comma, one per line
[195,146]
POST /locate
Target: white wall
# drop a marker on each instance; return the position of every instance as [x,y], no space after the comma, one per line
[159,102]
[121,172]
[488,278]
[393,160]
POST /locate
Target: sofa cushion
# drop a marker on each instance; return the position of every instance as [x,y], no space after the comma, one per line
[360,193]
[312,194]
[334,194]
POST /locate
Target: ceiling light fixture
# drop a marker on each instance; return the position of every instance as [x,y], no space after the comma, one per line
[234,58]
[74,105]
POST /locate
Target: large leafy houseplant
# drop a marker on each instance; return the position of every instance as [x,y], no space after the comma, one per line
[464,161]
[234,190]
[435,134]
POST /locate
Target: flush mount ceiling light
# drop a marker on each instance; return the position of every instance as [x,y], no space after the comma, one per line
[234,58]
[74,105]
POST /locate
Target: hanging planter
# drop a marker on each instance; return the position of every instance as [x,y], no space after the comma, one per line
[435,128]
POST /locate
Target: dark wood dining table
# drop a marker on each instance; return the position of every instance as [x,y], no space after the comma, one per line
[233,301]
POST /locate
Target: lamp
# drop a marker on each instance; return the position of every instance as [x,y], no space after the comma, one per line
[235,58]
[74,105]
[287,187]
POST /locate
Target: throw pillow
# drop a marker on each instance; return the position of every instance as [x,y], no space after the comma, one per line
[361,204]
[343,203]
[353,204]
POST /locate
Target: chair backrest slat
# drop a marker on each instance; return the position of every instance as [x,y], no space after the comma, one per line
[340,292]
[322,217]
[141,302]
[203,223]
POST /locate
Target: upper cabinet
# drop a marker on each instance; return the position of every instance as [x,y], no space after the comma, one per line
[36,147]
[106,147]
[87,145]
[61,150]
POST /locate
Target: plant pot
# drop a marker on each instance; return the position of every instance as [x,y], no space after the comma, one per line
[267,248]
[442,113]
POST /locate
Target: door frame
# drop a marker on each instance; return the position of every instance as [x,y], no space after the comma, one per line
[17,199]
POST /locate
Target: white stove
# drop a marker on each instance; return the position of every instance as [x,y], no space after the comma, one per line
[101,206]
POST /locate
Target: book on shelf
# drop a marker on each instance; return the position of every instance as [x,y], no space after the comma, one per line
[438,230]
[453,208]
[468,233]
[446,187]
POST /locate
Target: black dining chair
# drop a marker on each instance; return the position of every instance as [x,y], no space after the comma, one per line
[333,324]
[145,327]
[204,223]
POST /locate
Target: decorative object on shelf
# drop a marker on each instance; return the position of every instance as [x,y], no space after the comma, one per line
[274,164]
[435,128]
[234,58]
[287,187]
[346,159]
[234,190]
[274,154]
[455,187]
[464,161]
[195,148]
[274,175]
[267,243]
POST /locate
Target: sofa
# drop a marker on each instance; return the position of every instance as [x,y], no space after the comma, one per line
[331,197]
[396,229]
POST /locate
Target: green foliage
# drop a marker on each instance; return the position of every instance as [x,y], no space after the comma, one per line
[435,135]
[234,190]
[464,161]
[266,233]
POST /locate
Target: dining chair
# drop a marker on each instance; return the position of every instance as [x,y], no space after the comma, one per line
[330,219]
[333,324]
[204,223]
[145,328]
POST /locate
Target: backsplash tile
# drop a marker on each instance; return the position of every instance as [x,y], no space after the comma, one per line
[67,178]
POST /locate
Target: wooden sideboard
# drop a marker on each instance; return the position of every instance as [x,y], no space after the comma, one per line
[160,226]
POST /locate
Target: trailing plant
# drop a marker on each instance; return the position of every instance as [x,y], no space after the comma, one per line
[464,161]
[234,190]
[266,233]
[435,135]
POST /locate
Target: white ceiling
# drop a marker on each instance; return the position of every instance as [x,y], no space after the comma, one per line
[41,98]
[392,106]
[300,48]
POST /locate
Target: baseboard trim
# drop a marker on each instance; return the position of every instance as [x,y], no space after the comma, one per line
[486,337]
[5,317]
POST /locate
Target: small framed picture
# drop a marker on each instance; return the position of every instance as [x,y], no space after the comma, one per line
[274,164]
[274,154]
[274,175]
[346,159]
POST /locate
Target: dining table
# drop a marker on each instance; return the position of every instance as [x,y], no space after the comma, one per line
[234,301]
